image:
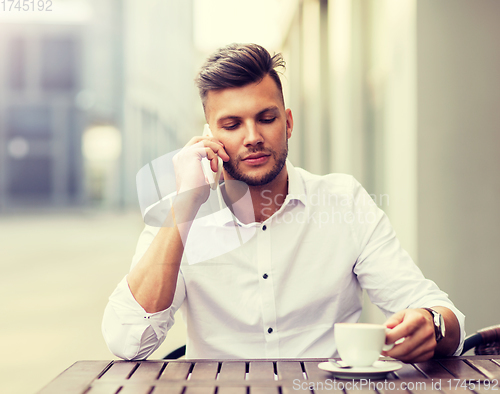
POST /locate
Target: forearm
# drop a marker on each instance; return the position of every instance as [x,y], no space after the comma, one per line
[153,280]
[448,345]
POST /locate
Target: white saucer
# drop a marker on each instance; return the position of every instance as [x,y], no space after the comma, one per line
[378,370]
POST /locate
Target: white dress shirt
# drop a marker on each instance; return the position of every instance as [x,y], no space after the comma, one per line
[278,292]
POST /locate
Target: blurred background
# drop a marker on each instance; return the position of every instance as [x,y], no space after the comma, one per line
[403,94]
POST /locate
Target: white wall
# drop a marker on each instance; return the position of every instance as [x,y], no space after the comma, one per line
[352,88]
[458,161]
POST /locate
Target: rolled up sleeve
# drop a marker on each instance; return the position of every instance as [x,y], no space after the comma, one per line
[132,333]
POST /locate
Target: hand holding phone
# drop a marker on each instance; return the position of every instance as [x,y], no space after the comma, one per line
[213,177]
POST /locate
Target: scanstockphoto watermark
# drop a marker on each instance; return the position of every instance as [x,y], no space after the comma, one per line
[325,218]
[358,385]
[394,385]
[325,199]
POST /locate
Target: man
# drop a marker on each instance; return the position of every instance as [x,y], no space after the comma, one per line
[308,244]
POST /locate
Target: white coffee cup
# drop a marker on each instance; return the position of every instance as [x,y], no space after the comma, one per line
[360,344]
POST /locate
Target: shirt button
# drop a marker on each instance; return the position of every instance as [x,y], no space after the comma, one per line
[270,330]
[264,227]
[265,276]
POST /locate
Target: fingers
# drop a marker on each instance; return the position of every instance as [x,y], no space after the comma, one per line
[214,159]
[210,143]
[418,354]
[418,331]
[419,345]
[395,319]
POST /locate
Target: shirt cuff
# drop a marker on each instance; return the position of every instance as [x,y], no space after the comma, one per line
[130,312]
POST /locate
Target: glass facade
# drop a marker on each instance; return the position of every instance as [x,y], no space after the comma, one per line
[40,127]
[58,64]
[16,67]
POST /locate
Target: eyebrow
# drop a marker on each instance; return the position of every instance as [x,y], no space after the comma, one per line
[272,108]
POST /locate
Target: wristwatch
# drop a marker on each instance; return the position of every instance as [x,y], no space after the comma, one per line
[438,320]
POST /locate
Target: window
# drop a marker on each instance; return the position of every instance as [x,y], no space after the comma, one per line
[30,176]
[58,64]
[16,66]
[29,121]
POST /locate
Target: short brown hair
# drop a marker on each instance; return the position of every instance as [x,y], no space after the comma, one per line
[237,65]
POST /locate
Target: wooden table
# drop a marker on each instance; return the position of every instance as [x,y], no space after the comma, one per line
[479,374]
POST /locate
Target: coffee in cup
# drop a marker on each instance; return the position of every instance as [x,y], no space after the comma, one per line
[360,344]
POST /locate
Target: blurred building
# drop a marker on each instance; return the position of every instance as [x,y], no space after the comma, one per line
[403,94]
[40,124]
[115,76]
[161,108]
[58,76]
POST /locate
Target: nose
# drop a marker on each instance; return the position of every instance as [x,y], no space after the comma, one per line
[252,135]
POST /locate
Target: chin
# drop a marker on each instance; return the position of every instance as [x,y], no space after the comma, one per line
[257,176]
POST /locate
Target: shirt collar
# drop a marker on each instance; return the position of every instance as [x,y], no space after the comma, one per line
[296,192]
[296,188]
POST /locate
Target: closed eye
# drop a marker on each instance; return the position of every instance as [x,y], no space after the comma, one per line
[270,120]
[231,127]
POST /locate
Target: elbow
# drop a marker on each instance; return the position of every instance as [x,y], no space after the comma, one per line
[133,343]
[121,348]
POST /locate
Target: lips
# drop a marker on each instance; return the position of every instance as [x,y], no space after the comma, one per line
[255,156]
[256,159]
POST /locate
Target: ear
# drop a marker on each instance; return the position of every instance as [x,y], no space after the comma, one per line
[289,122]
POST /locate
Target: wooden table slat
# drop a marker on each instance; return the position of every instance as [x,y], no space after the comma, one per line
[144,388]
[314,373]
[434,370]
[294,390]
[426,391]
[147,371]
[199,390]
[119,370]
[106,388]
[233,370]
[205,370]
[461,369]
[487,367]
[264,390]
[232,390]
[176,371]
[488,390]
[261,370]
[408,371]
[448,390]
[76,378]
[398,390]
[289,370]
[170,389]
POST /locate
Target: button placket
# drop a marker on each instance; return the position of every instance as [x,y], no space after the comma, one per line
[268,302]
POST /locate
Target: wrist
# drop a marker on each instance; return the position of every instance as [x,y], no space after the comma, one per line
[438,323]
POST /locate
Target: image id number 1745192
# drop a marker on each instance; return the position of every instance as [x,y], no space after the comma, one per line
[25,5]
[454,384]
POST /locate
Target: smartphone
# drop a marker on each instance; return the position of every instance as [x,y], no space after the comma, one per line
[213,177]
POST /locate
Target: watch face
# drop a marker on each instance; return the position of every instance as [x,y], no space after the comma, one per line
[438,321]
[438,325]
[441,325]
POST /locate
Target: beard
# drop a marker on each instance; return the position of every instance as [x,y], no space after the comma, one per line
[233,167]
